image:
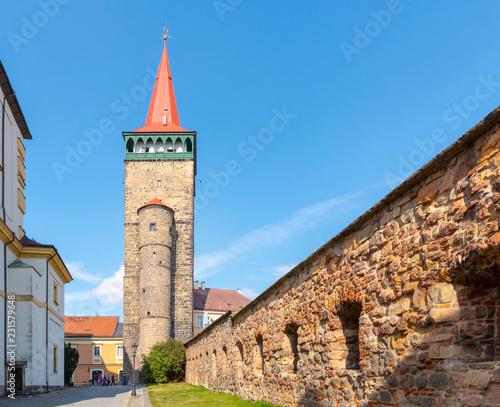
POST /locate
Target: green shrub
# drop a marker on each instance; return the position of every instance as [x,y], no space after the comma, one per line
[71,357]
[165,363]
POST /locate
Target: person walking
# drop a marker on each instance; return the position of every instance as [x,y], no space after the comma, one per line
[100,381]
[113,380]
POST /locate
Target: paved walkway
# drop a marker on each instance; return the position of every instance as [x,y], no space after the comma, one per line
[87,396]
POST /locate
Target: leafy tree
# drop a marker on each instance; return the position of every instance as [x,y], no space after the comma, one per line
[165,363]
[71,358]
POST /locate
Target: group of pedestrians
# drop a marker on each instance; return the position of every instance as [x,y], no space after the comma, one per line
[106,381]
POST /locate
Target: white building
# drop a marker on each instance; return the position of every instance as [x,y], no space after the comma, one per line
[210,304]
[33,275]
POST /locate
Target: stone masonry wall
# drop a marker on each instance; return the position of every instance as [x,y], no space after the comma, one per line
[176,190]
[155,254]
[400,309]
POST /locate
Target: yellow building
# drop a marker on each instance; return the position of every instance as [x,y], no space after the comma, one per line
[99,341]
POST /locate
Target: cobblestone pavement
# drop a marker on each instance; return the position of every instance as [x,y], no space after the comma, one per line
[91,396]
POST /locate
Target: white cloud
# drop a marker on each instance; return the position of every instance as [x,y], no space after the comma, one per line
[100,299]
[280,271]
[271,235]
[249,293]
[76,270]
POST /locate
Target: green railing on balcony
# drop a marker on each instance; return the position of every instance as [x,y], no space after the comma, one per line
[179,146]
[159,156]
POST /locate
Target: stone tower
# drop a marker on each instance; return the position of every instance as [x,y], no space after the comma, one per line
[160,166]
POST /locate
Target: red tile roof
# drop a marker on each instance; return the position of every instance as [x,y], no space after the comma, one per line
[154,201]
[214,299]
[162,113]
[160,128]
[90,326]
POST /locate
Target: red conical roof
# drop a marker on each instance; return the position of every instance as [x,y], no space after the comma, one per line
[155,201]
[162,114]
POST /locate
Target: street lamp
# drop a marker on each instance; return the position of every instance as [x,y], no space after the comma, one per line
[134,350]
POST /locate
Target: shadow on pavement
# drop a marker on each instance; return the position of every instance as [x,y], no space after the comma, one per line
[92,396]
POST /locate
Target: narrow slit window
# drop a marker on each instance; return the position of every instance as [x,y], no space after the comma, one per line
[259,356]
[348,314]
[56,294]
[152,226]
[292,350]
[54,359]
[239,359]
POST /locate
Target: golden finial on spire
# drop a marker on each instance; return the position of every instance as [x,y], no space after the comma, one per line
[165,34]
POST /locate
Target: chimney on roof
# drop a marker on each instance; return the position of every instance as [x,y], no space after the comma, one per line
[203,286]
[195,285]
[238,291]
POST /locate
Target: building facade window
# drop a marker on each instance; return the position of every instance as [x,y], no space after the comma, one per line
[199,321]
[56,293]
[54,359]
[97,350]
[119,351]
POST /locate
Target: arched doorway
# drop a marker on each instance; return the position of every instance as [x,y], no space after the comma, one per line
[94,376]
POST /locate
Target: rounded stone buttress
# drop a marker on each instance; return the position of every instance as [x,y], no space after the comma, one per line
[155,258]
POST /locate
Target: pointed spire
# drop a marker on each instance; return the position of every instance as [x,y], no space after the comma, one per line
[162,113]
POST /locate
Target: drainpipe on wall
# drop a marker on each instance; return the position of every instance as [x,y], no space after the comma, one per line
[5,299]
[47,324]
[3,152]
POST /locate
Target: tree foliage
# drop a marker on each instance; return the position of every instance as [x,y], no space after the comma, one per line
[165,363]
[71,358]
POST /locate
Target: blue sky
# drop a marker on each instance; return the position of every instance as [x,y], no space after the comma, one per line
[307,114]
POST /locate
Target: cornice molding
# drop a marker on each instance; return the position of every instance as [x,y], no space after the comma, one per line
[42,252]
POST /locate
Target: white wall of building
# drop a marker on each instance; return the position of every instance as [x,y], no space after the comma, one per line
[32,281]
[14,215]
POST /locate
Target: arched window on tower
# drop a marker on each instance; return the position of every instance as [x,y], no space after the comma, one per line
[178,146]
[169,146]
[139,146]
[150,148]
[159,146]
[130,146]
[189,145]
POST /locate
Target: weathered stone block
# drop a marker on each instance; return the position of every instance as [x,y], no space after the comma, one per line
[440,294]
[476,331]
[422,401]
[438,380]
[445,351]
[493,395]
[387,295]
[419,298]
[438,315]
[477,380]
[385,396]
[421,381]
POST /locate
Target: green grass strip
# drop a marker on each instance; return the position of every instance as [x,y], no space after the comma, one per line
[187,395]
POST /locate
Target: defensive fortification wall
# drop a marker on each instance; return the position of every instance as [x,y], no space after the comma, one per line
[401,308]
